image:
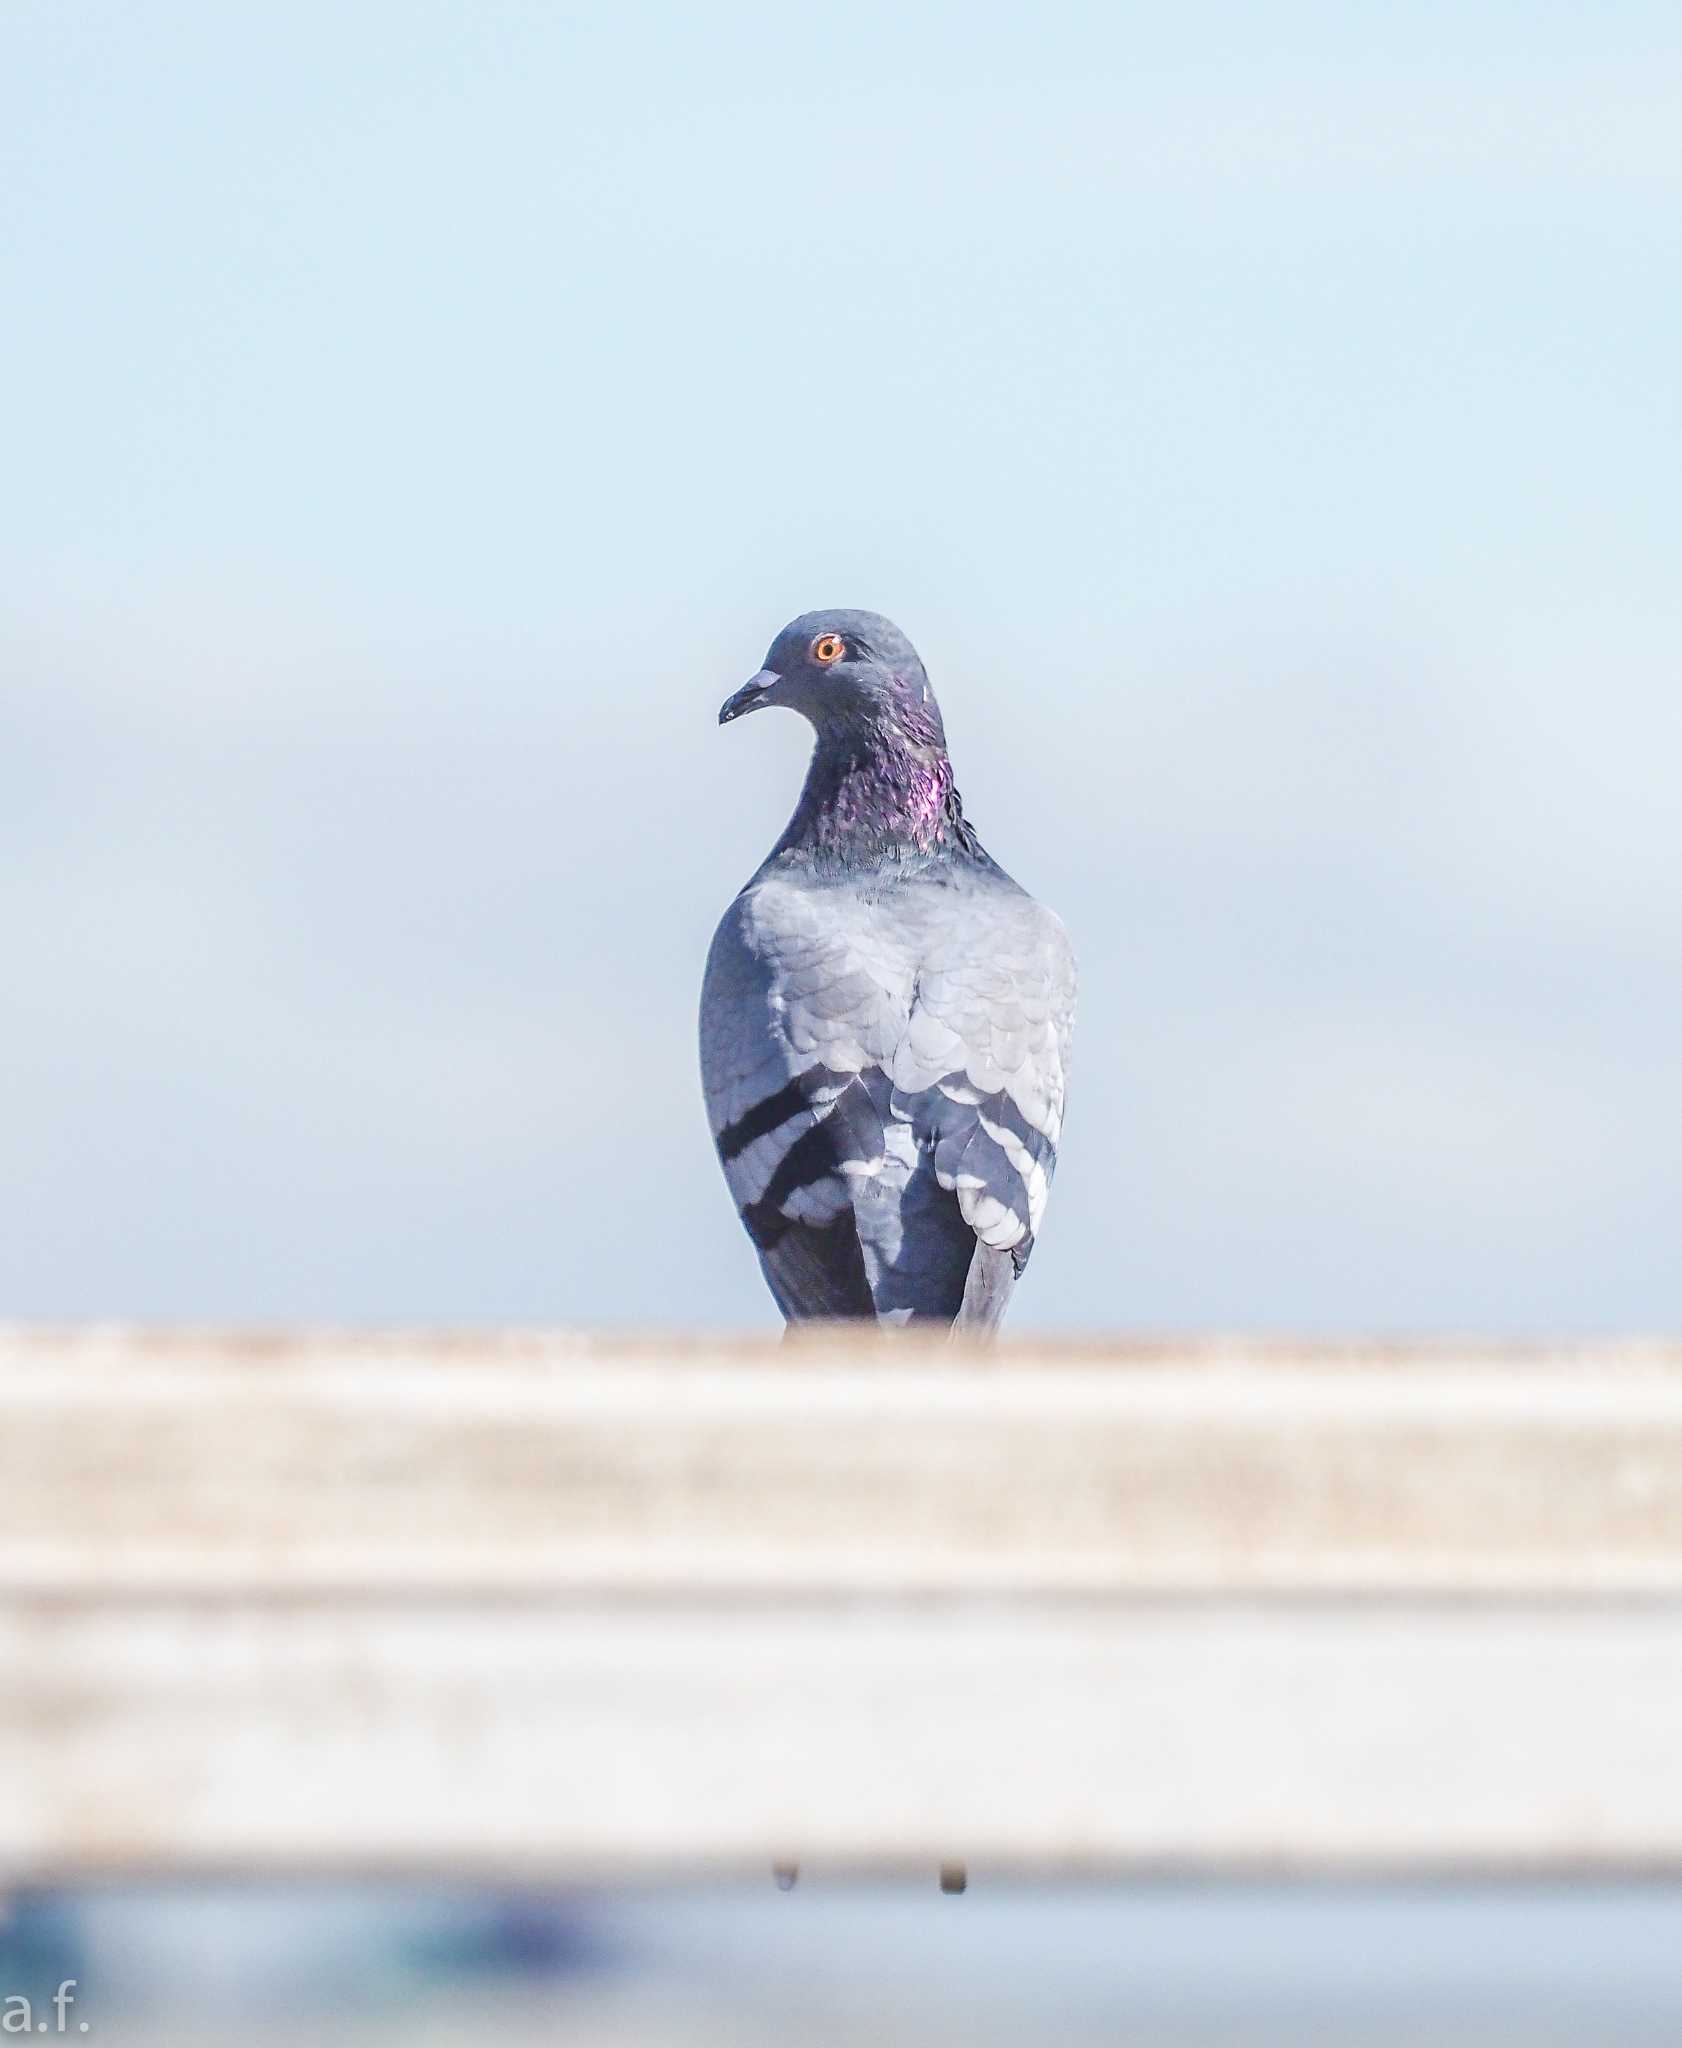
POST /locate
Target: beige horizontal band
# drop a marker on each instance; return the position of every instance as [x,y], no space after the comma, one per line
[546,1605]
[334,1463]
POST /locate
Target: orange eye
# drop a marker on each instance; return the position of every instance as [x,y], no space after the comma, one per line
[828,647]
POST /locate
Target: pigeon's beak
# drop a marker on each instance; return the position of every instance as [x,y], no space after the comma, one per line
[750,696]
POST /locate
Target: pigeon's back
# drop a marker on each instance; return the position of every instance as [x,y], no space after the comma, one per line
[884,1063]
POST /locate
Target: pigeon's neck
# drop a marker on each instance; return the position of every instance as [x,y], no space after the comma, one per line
[874,796]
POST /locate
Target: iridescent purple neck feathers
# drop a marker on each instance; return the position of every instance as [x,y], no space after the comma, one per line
[882,789]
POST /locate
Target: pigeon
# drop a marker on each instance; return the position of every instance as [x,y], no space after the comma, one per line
[886,1015]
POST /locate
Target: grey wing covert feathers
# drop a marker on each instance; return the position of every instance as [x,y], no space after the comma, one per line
[885,1026]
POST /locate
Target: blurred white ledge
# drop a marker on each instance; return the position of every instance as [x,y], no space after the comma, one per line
[553,1605]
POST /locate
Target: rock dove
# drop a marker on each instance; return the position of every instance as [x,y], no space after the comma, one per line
[886,1015]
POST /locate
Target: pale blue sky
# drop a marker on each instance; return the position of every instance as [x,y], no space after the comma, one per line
[419,417]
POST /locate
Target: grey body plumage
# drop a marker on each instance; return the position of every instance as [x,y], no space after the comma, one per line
[886,1015]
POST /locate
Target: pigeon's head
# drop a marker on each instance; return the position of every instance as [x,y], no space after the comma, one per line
[849,673]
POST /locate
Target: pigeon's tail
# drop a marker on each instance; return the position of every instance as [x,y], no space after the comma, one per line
[987,1288]
[987,1291]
